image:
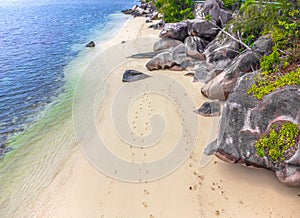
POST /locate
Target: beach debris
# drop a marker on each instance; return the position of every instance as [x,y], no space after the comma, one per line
[90,44]
[133,75]
[209,109]
[245,119]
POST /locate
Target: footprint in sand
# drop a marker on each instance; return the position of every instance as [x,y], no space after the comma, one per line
[146,192]
[145,204]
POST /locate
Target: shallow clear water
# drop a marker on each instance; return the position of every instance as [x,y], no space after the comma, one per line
[37,40]
[42,56]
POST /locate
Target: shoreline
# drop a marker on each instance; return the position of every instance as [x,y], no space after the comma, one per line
[80,190]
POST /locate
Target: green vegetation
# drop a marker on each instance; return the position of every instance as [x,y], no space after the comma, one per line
[277,141]
[232,4]
[280,19]
[267,84]
[175,10]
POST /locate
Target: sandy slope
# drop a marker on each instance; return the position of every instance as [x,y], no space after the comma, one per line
[215,189]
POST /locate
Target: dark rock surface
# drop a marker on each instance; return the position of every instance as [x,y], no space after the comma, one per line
[209,109]
[195,43]
[90,44]
[158,25]
[178,31]
[133,75]
[221,51]
[245,118]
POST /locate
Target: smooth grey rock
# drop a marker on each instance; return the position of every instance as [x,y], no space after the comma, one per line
[200,74]
[166,43]
[202,28]
[161,61]
[147,54]
[133,75]
[209,109]
[221,86]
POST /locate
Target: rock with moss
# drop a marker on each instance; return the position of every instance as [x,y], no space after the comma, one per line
[245,120]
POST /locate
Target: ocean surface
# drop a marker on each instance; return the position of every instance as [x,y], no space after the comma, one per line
[42,53]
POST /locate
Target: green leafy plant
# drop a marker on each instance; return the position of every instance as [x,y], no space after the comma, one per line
[277,141]
[232,4]
[266,84]
[175,10]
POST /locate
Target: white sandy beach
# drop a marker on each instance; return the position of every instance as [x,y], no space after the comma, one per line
[216,189]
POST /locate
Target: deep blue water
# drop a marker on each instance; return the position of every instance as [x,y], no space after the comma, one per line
[37,41]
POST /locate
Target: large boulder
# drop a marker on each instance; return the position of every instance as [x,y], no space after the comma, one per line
[178,58]
[195,43]
[249,61]
[221,86]
[221,51]
[178,31]
[161,61]
[166,43]
[245,119]
[133,75]
[216,9]
[202,28]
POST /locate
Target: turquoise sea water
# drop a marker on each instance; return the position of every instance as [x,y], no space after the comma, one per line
[38,40]
[43,53]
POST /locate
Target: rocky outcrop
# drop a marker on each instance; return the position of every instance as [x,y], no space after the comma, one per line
[178,58]
[221,51]
[244,120]
[166,43]
[202,28]
[220,86]
[144,9]
[209,109]
[178,31]
[133,75]
[215,9]
[195,43]
[158,25]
